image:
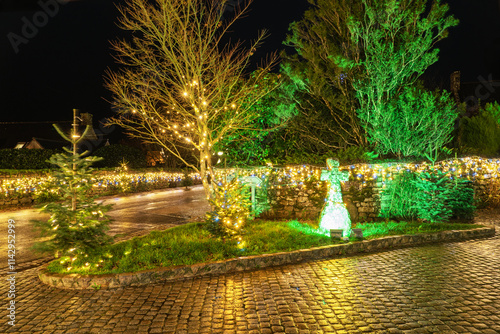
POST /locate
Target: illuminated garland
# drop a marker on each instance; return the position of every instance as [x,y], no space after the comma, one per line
[20,187]
[471,168]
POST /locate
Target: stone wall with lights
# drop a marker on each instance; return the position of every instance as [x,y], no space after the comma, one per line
[26,189]
[294,191]
[362,193]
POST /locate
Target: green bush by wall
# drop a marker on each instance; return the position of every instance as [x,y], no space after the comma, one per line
[431,196]
[480,134]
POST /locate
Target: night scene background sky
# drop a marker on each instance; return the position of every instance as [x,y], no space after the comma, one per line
[62,66]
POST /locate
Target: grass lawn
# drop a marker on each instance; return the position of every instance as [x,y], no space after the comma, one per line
[190,244]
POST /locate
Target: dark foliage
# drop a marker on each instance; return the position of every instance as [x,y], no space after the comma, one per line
[115,155]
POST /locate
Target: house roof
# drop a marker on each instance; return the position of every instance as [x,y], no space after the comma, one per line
[12,133]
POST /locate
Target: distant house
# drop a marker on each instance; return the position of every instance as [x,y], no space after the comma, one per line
[31,135]
[33,144]
[39,135]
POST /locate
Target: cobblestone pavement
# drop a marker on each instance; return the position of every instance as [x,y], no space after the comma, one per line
[444,288]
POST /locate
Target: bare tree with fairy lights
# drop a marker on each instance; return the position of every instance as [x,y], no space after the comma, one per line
[181,86]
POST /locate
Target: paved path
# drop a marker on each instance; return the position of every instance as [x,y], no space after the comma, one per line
[444,288]
[133,215]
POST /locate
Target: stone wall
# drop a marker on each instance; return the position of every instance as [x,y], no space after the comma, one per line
[363,200]
[295,202]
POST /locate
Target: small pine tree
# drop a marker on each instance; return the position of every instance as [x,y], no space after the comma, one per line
[77,226]
[231,210]
[78,231]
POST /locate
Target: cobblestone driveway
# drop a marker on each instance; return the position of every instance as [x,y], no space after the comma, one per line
[446,288]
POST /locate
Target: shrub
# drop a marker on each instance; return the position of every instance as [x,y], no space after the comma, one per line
[416,123]
[231,209]
[349,155]
[114,156]
[480,134]
[397,199]
[430,196]
[25,158]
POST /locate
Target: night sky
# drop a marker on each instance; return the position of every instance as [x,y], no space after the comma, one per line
[61,66]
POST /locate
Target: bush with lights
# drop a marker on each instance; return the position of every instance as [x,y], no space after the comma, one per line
[230,210]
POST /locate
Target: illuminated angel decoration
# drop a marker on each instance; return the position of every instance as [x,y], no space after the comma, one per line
[335,214]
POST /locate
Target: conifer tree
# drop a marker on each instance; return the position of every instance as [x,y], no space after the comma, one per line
[326,98]
[77,226]
[398,38]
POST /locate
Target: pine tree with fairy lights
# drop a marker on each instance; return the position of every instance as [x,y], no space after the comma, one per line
[231,210]
[77,225]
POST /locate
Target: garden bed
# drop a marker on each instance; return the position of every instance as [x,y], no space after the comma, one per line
[188,251]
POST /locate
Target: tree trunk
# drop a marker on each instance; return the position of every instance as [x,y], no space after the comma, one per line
[206,171]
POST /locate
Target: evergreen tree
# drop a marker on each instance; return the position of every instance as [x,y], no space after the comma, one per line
[397,38]
[77,226]
[231,210]
[326,98]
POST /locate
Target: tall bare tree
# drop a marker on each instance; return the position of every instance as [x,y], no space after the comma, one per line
[181,86]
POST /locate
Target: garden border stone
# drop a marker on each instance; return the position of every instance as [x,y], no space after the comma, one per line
[110,281]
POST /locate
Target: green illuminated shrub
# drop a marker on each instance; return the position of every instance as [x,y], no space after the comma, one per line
[417,123]
[431,196]
[349,155]
[494,110]
[398,198]
[481,134]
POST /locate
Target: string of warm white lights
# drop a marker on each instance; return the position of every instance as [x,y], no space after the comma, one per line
[20,187]
[469,167]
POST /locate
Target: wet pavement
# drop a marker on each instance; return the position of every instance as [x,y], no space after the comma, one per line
[442,288]
[133,215]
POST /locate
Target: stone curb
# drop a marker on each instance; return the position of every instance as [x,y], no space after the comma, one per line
[109,281]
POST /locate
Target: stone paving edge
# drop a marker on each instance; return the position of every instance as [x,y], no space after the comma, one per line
[110,281]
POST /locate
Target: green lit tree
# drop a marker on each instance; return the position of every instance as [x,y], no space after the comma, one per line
[480,134]
[261,140]
[416,123]
[77,226]
[397,38]
[181,87]
[326,98]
